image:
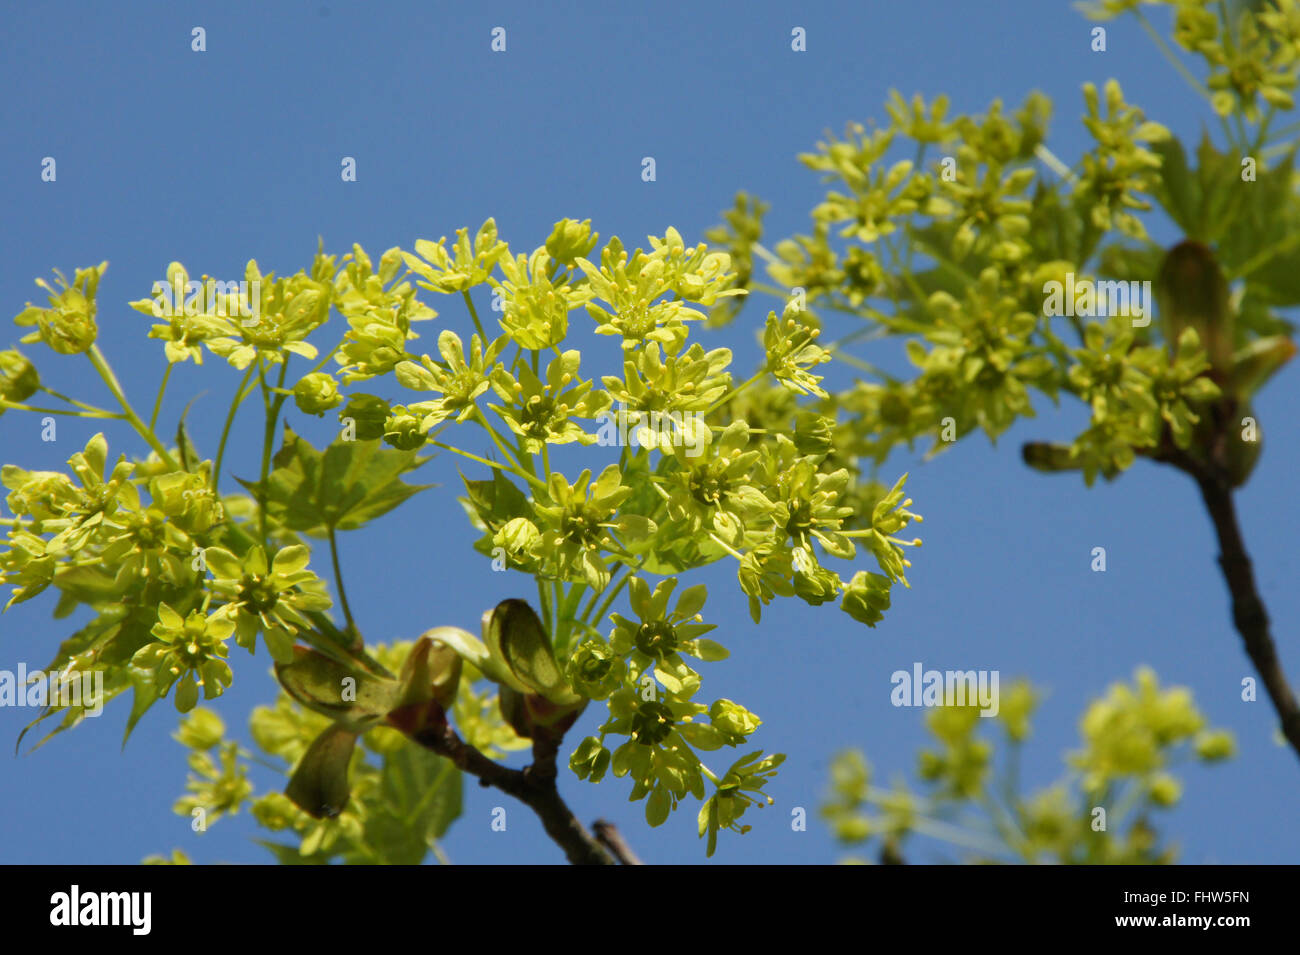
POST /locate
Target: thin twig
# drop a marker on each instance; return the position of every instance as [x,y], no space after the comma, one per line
[1248,614]
[609,837]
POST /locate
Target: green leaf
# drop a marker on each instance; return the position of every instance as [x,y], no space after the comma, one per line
[319,785]
[517,636]
[496,501]
[111,639]
[145,696]
[1175,189]
[658,806]
[326,686]
[420,795]
[351,483]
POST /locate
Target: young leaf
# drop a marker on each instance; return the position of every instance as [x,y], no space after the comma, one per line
[419,797]
[328,687]
[349,484]
[319,786]
[517,635]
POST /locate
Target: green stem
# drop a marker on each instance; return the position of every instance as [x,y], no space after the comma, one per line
[1054,163]
[16,406]
[1169,55]
[240,395]
[492,464]
[74,401]
[957,836]
[709,774]
[767,256]
[496,438]
[1262,133]
[157,404]
[1283,133]
[473,313]
[725,546]
[548,616]
[609,600]
[1241,131]
[328,355]
[567,609]
[106,372]
[268,439]
[734,392]
[438,853]
[855,362]
[343,594]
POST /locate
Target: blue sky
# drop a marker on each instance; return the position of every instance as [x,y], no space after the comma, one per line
[214,158]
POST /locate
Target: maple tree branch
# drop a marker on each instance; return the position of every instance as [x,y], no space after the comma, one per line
[613,840]
[534,786]
[1248,613]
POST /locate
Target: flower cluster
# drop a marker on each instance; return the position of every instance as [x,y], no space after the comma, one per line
[1130,738]
[643,673]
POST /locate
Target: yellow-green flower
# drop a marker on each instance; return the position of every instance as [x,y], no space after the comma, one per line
[540,412]
[741,787]
[459,381]
[68,325]
[288,311]
[577,524]
[467,267]
[266,598]
[190,649]
[536,307]
[657,641]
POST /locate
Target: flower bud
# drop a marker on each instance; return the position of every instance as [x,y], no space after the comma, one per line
[1192,292]
[402,430]
[852,828]
[532,716]
[733,721]
[1165,790]
[1214,745]
[817,585]
[18,377]
[518,536]
[370,414]
[813,433]
[317,393]
[590,760]
[866,598]
[594,670]
[571,240]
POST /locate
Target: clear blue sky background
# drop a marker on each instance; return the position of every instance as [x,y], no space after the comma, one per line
[213,158]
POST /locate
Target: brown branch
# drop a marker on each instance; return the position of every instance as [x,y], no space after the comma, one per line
[613,840]
[533,786]
[1248,613]
[1210,473]
[1209,470]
